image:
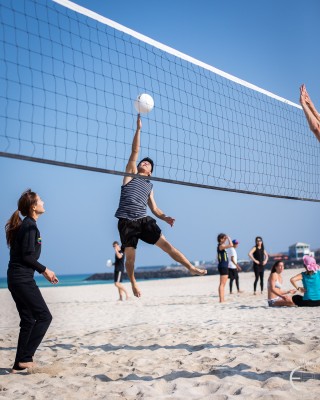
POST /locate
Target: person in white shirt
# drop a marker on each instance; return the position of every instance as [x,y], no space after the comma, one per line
[233,266]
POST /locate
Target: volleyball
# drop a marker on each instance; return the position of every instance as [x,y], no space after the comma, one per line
[109,263]
[144,103]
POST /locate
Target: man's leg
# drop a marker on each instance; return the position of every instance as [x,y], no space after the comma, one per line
[117,285]
[178,256]
[130,253]
[231,278]
[236,278]
[122,290]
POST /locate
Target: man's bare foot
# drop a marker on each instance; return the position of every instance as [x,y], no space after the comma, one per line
[136,290]
[197,271]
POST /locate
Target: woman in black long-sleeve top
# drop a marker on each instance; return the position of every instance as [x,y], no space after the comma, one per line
[24,240]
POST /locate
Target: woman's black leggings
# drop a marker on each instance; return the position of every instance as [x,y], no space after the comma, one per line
[258,274]
[298,301]
[35,319]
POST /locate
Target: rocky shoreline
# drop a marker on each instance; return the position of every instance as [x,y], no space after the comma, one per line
[181,272]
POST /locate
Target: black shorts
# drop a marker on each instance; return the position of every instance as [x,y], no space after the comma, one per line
[118,276]
[145,228]
[223,270]
[233,273]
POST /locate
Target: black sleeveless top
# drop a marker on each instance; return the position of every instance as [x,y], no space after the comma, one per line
[119,263]
[259,255]
[222,258]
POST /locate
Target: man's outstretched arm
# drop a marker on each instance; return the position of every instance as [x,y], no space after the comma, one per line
[312,115]
[131,167]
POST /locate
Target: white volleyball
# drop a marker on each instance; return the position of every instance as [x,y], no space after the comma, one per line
[144,103]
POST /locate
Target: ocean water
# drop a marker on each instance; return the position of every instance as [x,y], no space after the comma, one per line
[64,280]
[78,279]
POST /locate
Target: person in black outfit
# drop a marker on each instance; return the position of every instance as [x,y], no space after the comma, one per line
[24,240]
[223,262]
[119,270]
[259,256]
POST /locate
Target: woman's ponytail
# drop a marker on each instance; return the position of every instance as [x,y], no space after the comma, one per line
[12,227]
[27,200]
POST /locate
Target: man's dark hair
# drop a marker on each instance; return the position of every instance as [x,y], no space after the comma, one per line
[149,160]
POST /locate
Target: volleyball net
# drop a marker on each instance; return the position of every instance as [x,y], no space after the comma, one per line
[68,81]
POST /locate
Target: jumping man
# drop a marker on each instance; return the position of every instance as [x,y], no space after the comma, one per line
[134,224]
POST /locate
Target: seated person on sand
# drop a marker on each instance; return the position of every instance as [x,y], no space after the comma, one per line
[311,284]
[277,297]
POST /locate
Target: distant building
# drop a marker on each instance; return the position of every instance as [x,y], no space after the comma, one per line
[298,250]
[278,256]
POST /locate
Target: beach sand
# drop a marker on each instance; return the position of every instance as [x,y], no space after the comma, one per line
[176,342]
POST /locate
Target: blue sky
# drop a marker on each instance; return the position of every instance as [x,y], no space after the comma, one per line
[271,44]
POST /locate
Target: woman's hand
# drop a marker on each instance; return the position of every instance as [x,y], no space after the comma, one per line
[50,276]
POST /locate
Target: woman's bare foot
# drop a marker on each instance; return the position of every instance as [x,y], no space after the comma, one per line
[16,371]
[22,366]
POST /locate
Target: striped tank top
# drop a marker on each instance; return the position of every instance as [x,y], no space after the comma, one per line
[134,199]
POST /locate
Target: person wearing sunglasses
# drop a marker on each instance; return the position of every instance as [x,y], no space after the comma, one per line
[259,256]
